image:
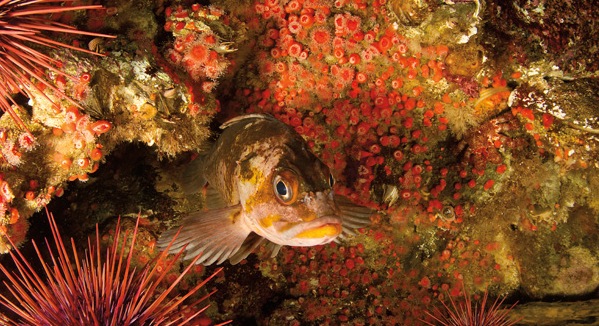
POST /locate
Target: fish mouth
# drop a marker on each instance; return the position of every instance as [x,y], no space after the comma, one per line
[318,231]
[323,231]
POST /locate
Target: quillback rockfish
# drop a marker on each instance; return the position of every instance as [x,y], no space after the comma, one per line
[263,186]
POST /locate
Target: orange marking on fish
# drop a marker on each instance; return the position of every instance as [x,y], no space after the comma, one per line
[329,230]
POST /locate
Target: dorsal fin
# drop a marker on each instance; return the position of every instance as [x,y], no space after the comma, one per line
[246,118]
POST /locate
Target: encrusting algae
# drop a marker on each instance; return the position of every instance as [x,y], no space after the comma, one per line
[472,141]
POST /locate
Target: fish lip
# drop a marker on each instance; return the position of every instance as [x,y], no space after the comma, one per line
[323,220]
[314,224]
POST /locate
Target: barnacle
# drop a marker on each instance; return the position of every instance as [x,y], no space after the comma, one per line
[409,12]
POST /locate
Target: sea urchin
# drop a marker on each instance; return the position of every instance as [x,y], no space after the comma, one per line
[96,290]
[467,313]
[22,67]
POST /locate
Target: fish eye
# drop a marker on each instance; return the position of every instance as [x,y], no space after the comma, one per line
[285,187]
[282,189]
[331,180]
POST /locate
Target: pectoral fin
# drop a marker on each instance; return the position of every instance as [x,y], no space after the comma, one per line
[353,216]
[217,234]
[252,242]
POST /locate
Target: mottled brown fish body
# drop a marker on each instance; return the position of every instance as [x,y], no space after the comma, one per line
[263,187]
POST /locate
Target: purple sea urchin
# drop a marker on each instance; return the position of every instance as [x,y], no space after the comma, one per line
[22,67]
[96,290]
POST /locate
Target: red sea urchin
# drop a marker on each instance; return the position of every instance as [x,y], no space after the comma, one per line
[468,313]
[22,67]
[93,290]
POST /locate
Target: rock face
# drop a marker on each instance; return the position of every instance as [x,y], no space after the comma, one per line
[470,134]
[94,105]
[558,313]
[558,31]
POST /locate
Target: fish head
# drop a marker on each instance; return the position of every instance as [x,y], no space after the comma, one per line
[286,194]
